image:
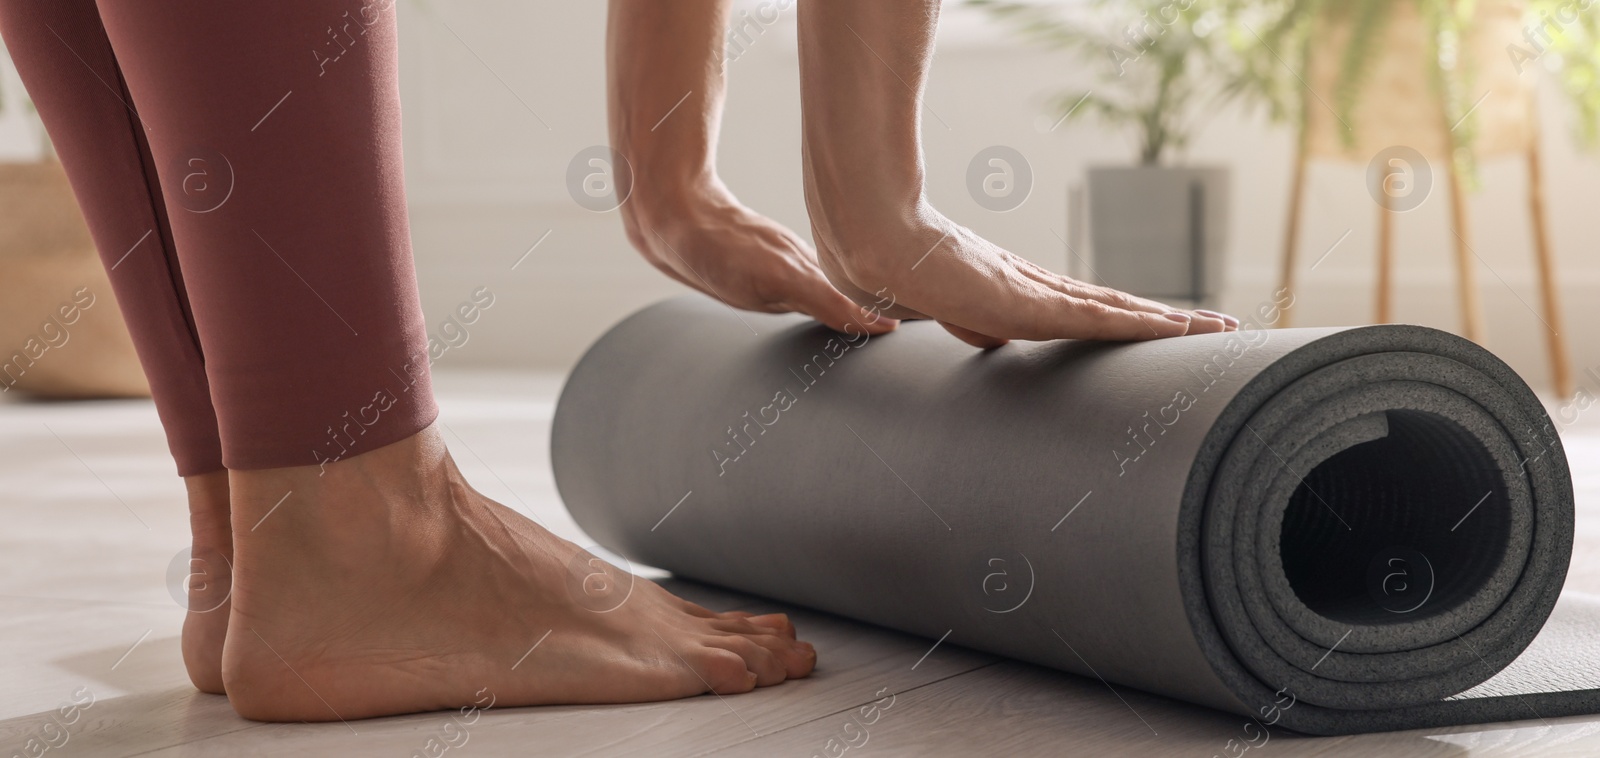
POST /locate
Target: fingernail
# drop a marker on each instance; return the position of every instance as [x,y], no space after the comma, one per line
[1182,318]
[1229,320]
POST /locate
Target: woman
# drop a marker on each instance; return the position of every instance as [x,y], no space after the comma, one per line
[240,169]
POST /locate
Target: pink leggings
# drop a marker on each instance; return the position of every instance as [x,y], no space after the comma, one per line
[239,165]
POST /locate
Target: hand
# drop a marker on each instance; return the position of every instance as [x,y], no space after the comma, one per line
[714,244]
[985,295]
[863,68]
[679,215]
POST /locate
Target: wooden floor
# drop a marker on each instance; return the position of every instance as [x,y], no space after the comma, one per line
[92,517]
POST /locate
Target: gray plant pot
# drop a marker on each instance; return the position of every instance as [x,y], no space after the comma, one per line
[1160,232]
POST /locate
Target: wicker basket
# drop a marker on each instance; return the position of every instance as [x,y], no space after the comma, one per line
[1399,103]
[61,334]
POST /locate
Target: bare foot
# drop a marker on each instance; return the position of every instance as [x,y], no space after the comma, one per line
[387,586]
[205,625]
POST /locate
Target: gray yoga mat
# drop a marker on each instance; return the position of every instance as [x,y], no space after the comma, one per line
[1333,530]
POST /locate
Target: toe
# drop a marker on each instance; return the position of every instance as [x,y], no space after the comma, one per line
[723,670]
[695,609]
[799,659]
[745,622]
[776,623]
[761,659]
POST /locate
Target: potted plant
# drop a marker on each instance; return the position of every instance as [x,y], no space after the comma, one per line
[1158,228]
[1455,51]
[1451,81]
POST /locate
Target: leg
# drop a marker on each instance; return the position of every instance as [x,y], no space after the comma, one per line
[66,62]
[1385,299]
[369,578]
[863,66]
[1560,373]
[1461,228]
[1291,232]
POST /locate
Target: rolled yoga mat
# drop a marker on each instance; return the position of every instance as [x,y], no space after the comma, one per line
[1334,530]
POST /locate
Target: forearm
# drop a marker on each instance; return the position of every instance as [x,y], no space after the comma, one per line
[665,90]
[863,66]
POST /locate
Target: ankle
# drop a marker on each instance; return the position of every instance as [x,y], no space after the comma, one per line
[401,468]
[386,510]
[210,510]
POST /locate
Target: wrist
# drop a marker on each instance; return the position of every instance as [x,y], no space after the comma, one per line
[850,221]
[663,197]
[663,165]
[880,243]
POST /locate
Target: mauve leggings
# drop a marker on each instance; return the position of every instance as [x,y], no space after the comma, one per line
[239,165]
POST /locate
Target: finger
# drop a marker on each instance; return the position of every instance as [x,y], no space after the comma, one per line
[1201,322]
[1090,319]
[815,296]
[1002,302]
[1231,321]
[1063,317]
[818,299]
[973,338]
[1067,285]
